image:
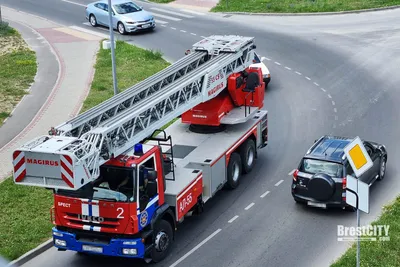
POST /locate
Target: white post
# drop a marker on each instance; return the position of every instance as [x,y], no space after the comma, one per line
[358,237]
[114,71]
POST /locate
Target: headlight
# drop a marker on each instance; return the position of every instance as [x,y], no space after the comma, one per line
[129,251]
[60,242]
[58,234]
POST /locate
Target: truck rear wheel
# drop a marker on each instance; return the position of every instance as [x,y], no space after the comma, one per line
[248,155]
[234,171]
[162,241]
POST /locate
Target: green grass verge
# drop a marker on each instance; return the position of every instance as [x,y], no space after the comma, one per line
[133,65]
[17,71]
[378,253]
[25,220]
[299,6]
[162,1]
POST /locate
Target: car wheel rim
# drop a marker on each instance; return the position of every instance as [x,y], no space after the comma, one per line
[121,28]
[250,157]
[235,172]
[383,167]
[92,20]
[162,241]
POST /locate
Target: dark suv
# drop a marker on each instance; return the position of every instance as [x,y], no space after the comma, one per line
[320,179]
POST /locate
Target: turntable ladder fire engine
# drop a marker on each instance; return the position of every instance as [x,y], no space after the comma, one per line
[71,155]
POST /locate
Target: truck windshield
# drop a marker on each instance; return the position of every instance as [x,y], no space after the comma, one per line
[114,184]
[320,166]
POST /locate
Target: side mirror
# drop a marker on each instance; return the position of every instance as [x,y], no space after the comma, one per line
[151,188]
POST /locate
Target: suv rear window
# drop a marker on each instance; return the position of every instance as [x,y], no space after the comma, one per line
[320,166]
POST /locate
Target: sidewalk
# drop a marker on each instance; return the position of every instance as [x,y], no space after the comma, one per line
[76,53]
[199,5]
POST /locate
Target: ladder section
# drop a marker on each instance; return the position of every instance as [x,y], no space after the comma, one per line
[222,43]
[110,108]
[136,123]
[111,128]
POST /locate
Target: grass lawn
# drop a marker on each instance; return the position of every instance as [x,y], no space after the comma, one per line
[378,253]
[17,71]
[299,6]
[25,220]
[162,1]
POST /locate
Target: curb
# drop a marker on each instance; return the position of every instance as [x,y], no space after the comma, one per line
[31,254]
[311,14]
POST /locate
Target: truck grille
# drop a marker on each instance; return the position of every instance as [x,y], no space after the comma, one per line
[109,223]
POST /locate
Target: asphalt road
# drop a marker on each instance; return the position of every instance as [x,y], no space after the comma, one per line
[326,79]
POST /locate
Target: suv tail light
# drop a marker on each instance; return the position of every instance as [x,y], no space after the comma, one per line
[295,175]
[344,186]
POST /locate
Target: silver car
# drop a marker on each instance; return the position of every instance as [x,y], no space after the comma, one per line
[127,16]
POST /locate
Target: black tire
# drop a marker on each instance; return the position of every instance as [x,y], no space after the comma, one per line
[350,209]
[163,240]
[121,28]
[248,155]
[234,171]
[93,20]
[382,169]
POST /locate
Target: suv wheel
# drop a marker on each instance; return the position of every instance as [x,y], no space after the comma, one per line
[382,169]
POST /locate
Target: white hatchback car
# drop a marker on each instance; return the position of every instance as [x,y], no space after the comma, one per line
[257,62]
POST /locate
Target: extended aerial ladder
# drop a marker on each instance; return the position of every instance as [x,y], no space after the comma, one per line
[74,151]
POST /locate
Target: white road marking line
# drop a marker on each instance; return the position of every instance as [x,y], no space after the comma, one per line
[308,78]
[234,218]
[71,2]
[335,110]
[323,90]
[288,68]
[298,72]
[171,12]
[249,206]
[316,84]
[193,12]
[163,25]
[333,103]
[203,36]
[278,183]
[193,33]
[165,17]
[183,31]
[161,21]
[291,172]
[195,248]
[314,109]
[101,35]
[329,96]
[277,63]
[173,28]
[263,195]
[267,58]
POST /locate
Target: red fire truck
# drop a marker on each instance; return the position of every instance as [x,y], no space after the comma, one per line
[121,185]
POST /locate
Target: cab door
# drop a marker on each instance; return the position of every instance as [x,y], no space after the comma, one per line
[147,204]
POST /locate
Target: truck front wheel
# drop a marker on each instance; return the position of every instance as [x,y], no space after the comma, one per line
[162,241]
[234,171]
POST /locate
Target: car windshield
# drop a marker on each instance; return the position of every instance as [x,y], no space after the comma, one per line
[256,59]
[114,184]
[320,166]
[125,8]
